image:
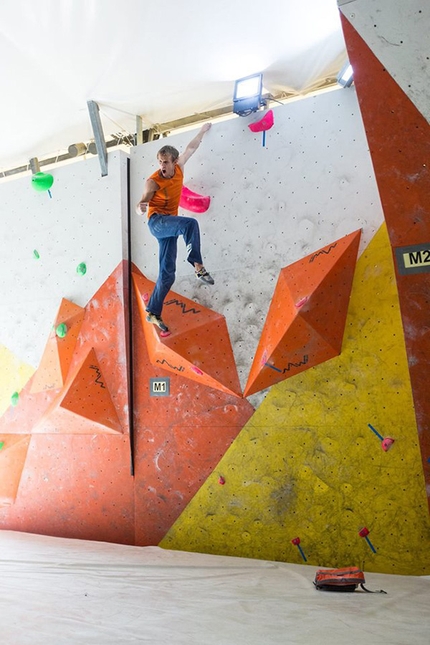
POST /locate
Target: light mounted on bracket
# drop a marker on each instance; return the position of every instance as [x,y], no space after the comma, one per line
[346,75]
[247,94]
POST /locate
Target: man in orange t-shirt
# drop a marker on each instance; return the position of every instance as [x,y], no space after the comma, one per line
[161,195]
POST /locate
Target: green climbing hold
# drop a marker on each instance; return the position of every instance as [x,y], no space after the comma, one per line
[36,254]
[14,398]
[1,445]
[42,181]
[61,330]
[81,269]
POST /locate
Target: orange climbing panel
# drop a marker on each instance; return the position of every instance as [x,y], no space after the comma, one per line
[198,347]
[13,453]
[85,404]
[398,136]
[57,357]
[306,318]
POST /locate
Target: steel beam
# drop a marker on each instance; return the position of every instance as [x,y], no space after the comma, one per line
[99,138]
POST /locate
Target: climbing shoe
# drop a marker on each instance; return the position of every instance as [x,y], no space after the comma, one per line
[204,276]
[156,320]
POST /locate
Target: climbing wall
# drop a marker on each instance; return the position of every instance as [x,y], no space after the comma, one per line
[307,470]
[276,196]
[394,105]
[321,465]
[65,445]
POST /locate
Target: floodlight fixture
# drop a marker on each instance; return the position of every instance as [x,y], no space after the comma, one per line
[346,75]
[247,94]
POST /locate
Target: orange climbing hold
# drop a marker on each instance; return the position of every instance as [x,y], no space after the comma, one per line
[12,461]
[306,318]
[198,347]
[85,405]
[57,357]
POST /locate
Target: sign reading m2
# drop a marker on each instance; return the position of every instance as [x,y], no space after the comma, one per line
[413,259]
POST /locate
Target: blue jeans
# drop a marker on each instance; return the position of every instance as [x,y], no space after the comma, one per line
[167,229]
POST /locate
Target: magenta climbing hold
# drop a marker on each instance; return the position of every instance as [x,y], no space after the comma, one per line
[265,123]
[364,533]
[302,302]
[193,201]
[386,442]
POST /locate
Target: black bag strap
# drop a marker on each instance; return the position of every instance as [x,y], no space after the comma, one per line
[370,591]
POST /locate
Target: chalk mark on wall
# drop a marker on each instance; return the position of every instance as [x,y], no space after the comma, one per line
[98,372]
[172,367]
[289,366]
[180,304]
[326,252]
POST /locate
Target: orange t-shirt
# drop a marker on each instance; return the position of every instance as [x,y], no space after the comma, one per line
[166,198]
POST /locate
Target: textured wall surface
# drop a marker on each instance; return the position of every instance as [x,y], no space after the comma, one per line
[212,473]
[81,222]
[399,36]
[399,140]
[309,185]
[307,464]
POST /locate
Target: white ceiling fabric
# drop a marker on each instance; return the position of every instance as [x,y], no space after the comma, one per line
[161,60]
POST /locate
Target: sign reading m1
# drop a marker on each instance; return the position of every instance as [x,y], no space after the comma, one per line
[159,386]
[413,259]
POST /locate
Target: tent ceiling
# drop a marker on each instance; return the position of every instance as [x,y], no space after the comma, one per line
[163,61]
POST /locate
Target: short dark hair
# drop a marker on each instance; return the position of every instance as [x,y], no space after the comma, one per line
[168,150]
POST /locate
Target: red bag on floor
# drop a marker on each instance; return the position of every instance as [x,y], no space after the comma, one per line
[346,579]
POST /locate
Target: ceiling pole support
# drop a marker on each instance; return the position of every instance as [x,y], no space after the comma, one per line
[34,165]
[99,138]
[139,130]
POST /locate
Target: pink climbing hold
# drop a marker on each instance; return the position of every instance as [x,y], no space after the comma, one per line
[263,124]
[193,201]
[386,443]
[302,302]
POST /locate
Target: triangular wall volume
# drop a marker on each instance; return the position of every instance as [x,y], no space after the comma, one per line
[198,347]
[85,405]
[306,318]
[57,357]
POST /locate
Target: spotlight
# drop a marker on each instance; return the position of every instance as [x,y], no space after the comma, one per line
[346,75]
[247,94]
